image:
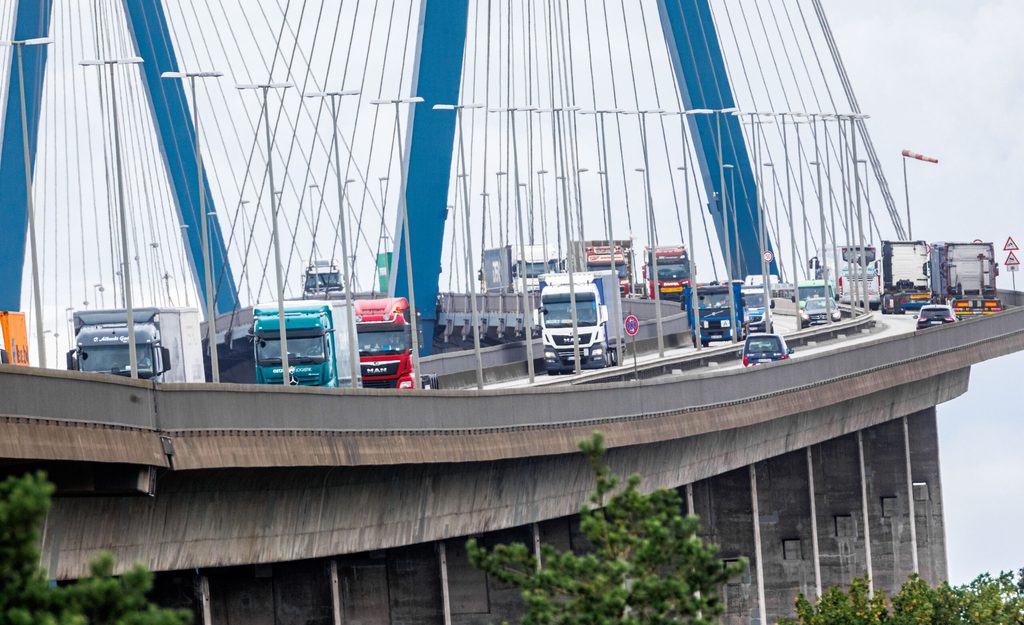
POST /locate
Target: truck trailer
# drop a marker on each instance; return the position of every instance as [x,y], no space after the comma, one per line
[963,275]
[168,347]
[13,339]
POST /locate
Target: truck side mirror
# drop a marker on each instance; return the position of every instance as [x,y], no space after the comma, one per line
[165,359]
[72,361]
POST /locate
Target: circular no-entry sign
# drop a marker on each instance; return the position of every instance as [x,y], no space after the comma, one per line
[768,256]
[631,325]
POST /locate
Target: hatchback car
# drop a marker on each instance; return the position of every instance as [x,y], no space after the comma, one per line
[764,348]
[934,315]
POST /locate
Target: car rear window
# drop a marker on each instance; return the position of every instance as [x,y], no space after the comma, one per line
[763,345]
[934,313]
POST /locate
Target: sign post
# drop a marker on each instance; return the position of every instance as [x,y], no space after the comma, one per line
[632,325]
[1012,262]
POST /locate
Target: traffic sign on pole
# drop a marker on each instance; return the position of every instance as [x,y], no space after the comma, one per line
[631,325]
[1011,245]
[768,256]
[1011,260]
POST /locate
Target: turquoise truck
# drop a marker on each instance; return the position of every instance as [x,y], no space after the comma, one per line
[317,333]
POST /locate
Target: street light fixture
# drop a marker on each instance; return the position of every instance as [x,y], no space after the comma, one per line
[353,352]
[464,176]
[404,208]
[264,89]
[37,299]
[126,272]
[211,297]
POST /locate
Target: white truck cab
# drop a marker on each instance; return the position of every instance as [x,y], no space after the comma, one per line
[598,320]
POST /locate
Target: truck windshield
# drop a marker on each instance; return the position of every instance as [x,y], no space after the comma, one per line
[559,310]
[322,281]
[114,359]
[533,270]
[307,349]
[713,300]
[384,342]
[620,268]
[674,271]
[853,255]
[754,300]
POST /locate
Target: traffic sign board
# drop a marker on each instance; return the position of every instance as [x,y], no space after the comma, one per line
[631,325]
[1011,245]
[768,256]
[1011,260]
[1014,268]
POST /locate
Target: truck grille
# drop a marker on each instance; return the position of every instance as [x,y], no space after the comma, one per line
[567,339]
[378,370]
[380,383]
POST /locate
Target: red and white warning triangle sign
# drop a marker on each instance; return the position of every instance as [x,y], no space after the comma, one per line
[1011,245]
[1011,260]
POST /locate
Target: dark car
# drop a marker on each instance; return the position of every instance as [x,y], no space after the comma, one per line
[934,315]
[815,312]
[764,348]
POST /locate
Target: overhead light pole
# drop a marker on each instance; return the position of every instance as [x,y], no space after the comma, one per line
[211,314]
[264,89]
[353,351]
[404,208]
[37,298]
[527,315]
[464,177]
[126,269]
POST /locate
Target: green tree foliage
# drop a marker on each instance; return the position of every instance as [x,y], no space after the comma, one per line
[985,601]
[647,567]
[26,598]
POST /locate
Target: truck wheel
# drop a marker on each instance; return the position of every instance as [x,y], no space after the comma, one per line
[705,343]
[614,356]
[429,381]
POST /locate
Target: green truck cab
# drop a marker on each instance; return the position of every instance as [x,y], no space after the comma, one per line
[317,334]
[809,289]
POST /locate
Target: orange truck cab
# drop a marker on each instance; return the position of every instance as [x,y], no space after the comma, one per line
[13,339]
[385,342]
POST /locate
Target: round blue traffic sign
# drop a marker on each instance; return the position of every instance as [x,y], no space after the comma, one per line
[632,325]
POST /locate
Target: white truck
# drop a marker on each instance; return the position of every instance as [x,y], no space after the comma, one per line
[598,320]
[322,280]
[167,344]
[906,276]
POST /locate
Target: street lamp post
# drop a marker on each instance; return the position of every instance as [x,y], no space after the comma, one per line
[728,197]
[907,154]
[274,209]
[527,314]
[620,349]
[37,298]
[126,272]
[353,351]
[404,208]
[211,316]
[464,176]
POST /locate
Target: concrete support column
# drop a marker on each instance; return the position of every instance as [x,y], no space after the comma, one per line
[755,512]
[910,497]
[864,508]
[335,594]
[814,525]
[536,544]
[203,591]
[689,499]
[446,606]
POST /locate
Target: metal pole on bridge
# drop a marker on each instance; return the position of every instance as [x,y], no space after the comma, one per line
[854,118]
[126,271]
[353,350]
[37,298]
[211,315]
[274,210]
[464,176]
[404,208]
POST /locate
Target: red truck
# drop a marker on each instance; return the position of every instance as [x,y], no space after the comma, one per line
[599,258]
[673,272]
[385,342]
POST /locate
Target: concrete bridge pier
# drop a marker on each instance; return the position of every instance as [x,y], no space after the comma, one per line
[434,584]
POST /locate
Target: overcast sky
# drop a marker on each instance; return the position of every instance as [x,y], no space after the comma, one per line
[944,77]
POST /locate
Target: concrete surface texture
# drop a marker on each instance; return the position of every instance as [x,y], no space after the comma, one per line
[408,584]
